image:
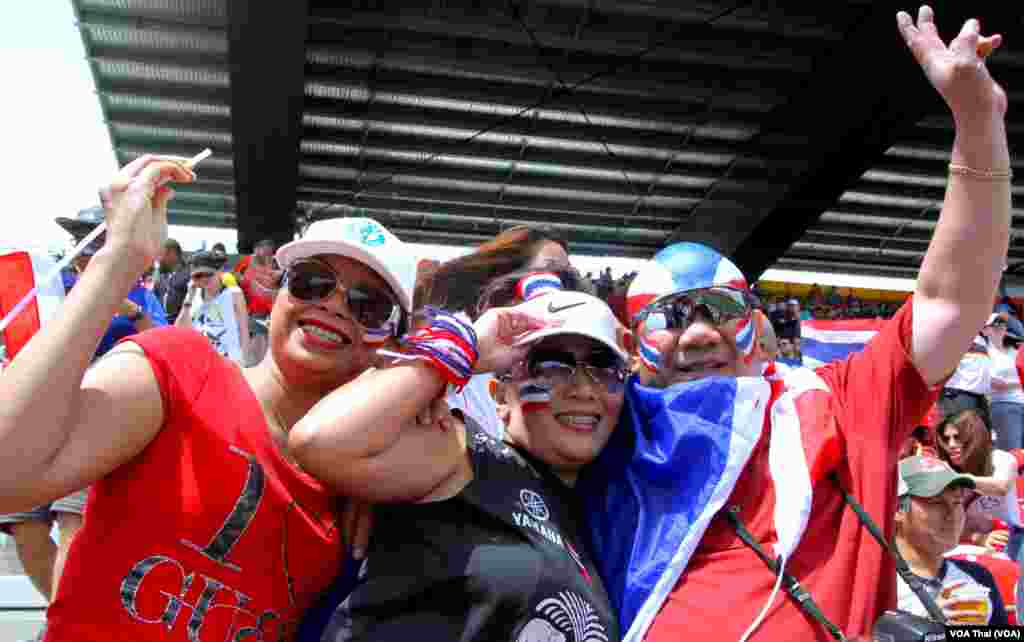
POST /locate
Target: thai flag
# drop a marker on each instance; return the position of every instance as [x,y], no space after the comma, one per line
[673,462]
[826,341]
[20,271]
[669,467]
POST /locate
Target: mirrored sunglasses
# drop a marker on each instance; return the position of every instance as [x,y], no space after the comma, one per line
[718,306]
[311,281]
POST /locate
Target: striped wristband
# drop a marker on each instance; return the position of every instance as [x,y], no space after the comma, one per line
[447,343]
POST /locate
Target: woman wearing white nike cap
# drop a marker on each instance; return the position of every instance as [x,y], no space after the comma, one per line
[474,538]
[198,524]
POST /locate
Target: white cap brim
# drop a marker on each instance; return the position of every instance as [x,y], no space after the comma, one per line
[291,252]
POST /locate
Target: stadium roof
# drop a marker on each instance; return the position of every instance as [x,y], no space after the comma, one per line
[788,134]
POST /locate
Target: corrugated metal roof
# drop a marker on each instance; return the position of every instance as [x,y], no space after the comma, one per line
[450,120]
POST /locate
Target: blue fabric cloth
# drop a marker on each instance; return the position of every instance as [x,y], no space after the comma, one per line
[121,327]
[795,362]
[640,502]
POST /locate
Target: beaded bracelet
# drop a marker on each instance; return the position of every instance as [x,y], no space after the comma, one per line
[447,343]
[982,174]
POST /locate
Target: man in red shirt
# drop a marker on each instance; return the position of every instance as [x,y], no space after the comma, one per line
[692,314]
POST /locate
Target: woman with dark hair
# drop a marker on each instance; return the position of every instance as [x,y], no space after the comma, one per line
[964,441]
[458,285]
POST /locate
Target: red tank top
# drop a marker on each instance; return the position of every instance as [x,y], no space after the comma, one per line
[208,534]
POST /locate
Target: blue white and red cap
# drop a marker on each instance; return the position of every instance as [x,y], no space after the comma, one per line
[678,268]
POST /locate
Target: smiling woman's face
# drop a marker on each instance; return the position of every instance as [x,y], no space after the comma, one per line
[321,343]
[567,425]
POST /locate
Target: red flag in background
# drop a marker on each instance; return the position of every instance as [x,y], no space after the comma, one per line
[19,272]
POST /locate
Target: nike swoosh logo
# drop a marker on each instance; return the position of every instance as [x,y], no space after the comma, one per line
[553,310]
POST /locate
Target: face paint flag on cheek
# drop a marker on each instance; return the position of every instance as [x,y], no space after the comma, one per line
[534,397]
[649,353]
[745,337]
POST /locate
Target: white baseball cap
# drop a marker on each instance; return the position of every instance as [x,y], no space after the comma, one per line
[363,240]
[581,314]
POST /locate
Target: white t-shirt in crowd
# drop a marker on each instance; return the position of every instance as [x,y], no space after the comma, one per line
[216,320]
[973,374]
[1004,368]
[985,508]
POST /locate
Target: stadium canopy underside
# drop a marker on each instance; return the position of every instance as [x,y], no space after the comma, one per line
[788,134]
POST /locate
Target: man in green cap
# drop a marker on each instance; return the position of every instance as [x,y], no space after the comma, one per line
[929,522]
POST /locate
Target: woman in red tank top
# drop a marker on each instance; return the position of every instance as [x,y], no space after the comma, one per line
[198,525]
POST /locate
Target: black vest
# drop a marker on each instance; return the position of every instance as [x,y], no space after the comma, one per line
[502,560]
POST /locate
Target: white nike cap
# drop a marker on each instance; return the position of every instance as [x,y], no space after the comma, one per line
[580,314]
[363,240]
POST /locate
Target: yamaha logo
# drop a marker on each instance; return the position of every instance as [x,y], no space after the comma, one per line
[534,504]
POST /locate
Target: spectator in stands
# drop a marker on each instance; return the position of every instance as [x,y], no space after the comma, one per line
[971,384]
[172,285]
[193,486]
[965,443]
[1007,393]
[929,519]
[216,312]
[264,249]
[699,334]
[788,352]
[259,284]
[789,326]
[219,248]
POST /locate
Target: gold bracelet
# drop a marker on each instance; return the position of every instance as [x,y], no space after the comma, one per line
[983,174]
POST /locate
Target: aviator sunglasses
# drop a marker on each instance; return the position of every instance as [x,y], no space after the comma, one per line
[555,367]
[311,281]
[718,306]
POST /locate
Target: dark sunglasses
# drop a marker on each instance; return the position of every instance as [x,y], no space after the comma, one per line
[554,367]
[717,306]
[503,291]
[999,323]
[310,281]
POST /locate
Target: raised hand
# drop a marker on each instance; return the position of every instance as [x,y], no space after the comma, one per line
[135,204]
[502,337]
[957,71]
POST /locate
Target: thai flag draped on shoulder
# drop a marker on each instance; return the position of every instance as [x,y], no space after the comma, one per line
[826,341]
[20,271]
[672,464]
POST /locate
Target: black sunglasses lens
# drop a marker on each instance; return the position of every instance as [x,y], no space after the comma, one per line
[371,309]
[311,282]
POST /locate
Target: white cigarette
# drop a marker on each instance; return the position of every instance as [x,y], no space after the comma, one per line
[198,158]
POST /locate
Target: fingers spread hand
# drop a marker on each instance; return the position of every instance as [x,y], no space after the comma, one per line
[926,21]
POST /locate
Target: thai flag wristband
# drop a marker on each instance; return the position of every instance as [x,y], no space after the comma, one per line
[447,343]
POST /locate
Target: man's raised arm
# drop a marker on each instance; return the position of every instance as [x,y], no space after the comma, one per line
[961,270]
